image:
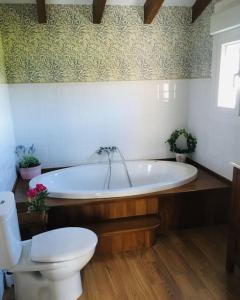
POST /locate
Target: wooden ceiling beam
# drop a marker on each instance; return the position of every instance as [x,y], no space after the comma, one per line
[98,10]
[151,8]
[41,11]
[198,8]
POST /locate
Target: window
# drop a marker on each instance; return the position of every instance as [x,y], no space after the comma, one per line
[226,71]
[229,75]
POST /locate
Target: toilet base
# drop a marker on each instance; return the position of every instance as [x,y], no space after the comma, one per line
[33,286]
[69,288]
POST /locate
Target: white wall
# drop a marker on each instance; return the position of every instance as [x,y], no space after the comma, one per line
[226,16]
[7,142]
[68,122]
[217,130]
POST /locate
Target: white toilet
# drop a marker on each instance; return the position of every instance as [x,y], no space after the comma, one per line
[48,266]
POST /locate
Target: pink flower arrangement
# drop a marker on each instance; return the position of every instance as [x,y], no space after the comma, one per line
[36,198]
[32,193]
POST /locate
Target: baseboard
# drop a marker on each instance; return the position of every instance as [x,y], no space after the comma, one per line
[198,165]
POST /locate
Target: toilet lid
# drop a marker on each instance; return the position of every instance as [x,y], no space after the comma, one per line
[62,244]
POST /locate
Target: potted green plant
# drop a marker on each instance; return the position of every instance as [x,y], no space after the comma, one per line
[29,166]
[34,220]
[190,141]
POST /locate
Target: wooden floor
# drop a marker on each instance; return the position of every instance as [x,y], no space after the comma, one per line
[187,264]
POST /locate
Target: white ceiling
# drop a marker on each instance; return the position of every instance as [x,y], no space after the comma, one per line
[109,2]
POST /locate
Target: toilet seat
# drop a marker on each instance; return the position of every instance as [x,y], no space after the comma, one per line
[62,244]
[26,264]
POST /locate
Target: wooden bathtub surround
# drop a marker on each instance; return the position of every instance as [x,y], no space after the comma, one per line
[130,223]
[126,234]
[32,223]
[122,225]
[233,253]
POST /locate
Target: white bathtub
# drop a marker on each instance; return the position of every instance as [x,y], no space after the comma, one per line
[87,181]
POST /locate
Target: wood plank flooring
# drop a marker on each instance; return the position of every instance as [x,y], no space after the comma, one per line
[187,264]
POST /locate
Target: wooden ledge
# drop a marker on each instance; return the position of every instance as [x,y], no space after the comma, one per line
[206,181]
[139,223]
[126,234]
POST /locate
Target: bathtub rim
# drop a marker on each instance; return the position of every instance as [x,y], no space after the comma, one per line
[144,190]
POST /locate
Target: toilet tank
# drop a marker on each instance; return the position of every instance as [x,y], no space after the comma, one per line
[10,241]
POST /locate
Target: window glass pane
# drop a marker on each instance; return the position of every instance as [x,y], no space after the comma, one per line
[229,75]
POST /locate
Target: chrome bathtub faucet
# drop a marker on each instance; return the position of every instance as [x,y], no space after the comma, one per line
[107,150]
[110,150]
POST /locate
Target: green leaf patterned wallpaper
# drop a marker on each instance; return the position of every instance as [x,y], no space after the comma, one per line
[70,48]
[202,43]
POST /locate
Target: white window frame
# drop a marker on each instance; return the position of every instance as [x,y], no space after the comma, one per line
[219,40]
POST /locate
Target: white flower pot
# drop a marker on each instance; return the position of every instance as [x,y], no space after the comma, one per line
[181,157]
[30,173]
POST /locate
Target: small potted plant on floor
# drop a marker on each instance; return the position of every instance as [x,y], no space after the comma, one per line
[34,220]
[29,165]
[182,143]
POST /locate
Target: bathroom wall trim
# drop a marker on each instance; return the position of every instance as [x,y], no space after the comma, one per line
[200,166]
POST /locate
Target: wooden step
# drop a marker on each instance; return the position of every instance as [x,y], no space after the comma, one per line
[126,234]
[121,225]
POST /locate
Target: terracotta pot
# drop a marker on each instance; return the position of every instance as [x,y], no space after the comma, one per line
[181,157]
[30,173]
